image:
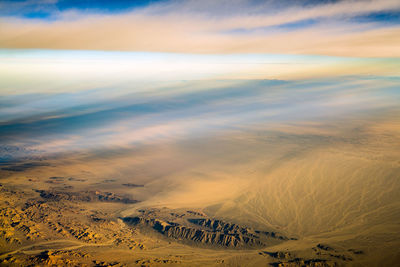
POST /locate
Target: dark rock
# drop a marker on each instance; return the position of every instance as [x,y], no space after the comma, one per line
[133,185]
[84,196]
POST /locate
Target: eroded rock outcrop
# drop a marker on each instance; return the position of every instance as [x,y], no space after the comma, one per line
[231,228]
[205,231]
[180,232]
[85,196]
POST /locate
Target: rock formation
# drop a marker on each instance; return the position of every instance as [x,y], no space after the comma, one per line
[86,196]
[206,231]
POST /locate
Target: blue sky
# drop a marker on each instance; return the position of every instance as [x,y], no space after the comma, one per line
[47,9]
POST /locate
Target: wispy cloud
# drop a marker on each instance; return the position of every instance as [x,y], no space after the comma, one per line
[190,114]
[215,27]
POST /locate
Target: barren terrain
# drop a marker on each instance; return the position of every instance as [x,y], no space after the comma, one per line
[300,195]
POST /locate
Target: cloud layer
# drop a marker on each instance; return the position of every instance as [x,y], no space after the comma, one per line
[64,101]
[343,28]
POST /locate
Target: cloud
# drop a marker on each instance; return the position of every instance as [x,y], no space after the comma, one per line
[212,27]
[189,114]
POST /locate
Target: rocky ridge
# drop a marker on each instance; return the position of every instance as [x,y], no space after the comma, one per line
[205,231]
[84,196]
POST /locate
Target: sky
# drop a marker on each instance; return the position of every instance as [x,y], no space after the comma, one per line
[369,28]
[85,75]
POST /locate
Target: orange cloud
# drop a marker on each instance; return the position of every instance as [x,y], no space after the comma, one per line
[174,31]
